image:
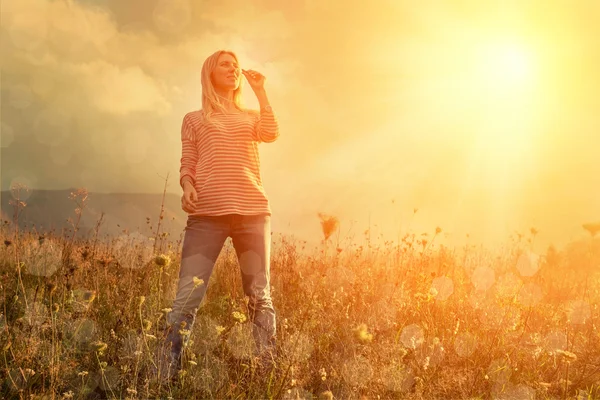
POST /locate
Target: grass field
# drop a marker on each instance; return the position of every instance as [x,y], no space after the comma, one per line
[409,319]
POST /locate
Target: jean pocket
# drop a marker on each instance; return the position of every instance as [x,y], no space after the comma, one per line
[200,222]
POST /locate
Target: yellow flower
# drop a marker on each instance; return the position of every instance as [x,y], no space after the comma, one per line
[162,260]
[362,333]
[323,374]
[220,329]
[240,317]
[567,355]
[185,332]
[99,346]
[198,282]
[147,325]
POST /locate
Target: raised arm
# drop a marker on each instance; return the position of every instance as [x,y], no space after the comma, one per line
[266,126]
[189,153]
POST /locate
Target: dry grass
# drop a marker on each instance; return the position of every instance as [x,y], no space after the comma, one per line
[405,320]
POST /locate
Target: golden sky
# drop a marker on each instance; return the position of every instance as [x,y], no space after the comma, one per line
[483,115]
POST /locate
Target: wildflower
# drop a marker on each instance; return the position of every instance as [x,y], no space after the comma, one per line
[167,310]
[438,230]
[131,391]
[147,325]
[567,355]
[240,317]
[328,224]
[142,300]
[185,332]
[103,365]
[362,334]
[162,260]
[68,395]
[403,353]
[593,229]
[99,346]
[421,296]
[326,395]
[82,373]
[197,282]
[433,292]
[29,372]
[220,329]
[426,363]
[323,374]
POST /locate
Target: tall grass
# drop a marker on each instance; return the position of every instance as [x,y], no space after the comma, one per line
[408,319]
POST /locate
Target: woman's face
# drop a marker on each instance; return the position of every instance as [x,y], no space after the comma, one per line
[226,75]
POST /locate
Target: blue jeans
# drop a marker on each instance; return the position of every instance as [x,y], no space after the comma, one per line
[203,240]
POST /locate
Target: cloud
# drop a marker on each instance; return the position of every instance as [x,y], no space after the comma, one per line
[374,102]
[121,91]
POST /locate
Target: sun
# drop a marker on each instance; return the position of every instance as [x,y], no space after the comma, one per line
[505,71]
[505,79]
[509,64]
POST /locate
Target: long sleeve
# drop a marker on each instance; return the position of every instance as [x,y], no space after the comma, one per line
[189,153]
[266,127]
[221,159]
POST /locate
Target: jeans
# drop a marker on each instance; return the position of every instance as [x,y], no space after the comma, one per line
[203,240]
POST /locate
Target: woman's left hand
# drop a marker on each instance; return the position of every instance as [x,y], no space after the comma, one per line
[255,79]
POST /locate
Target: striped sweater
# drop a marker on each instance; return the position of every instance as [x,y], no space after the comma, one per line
[221,159]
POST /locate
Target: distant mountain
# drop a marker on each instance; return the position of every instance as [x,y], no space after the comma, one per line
[49,210]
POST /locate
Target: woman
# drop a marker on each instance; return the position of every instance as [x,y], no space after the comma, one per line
[224,197]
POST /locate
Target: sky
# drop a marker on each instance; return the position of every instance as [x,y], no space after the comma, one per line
[484,116]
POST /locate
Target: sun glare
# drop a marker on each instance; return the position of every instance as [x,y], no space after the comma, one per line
[506,116]
[505,80]
[507,65]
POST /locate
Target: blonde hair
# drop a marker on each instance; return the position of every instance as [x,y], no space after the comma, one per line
[211,101]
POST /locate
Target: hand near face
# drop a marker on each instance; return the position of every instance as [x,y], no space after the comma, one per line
[255,79]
